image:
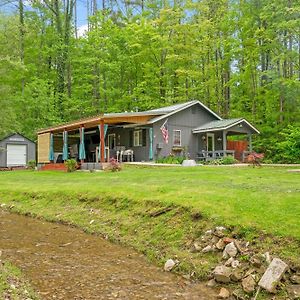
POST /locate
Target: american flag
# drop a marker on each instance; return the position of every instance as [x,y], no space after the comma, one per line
[165,131]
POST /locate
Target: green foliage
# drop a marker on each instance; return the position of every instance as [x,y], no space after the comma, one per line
[170,159]
[71,165]
[288,149]
[31,164]
[241,58]
[227,160]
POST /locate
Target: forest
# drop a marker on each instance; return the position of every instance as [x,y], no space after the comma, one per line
[239,57]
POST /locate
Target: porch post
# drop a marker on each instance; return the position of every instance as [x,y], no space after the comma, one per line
[81,146]
[51,148]
[250,142]
[102,142]
[224,142]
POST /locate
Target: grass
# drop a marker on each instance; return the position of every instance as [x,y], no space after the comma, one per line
[261,205]
[264,198]
[13,285]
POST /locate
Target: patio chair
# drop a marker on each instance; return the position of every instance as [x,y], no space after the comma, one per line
[128,154]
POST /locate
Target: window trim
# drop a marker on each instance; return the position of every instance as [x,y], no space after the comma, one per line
[140,138]
[180,137]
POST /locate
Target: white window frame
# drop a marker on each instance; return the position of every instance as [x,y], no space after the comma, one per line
[137,138]
[109,137]
[174,132]
[212,135]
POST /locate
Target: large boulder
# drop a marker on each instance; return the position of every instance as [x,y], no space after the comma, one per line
[189,163]
[273,275]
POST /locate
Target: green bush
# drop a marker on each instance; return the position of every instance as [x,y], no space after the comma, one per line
[31,164]
[227,160]
[170,159]
[71,165]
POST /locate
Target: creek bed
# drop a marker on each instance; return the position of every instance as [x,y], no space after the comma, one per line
[63,262]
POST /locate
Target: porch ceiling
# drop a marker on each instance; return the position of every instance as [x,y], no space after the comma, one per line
[226,124]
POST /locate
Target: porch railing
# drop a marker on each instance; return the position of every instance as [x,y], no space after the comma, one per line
[211,155]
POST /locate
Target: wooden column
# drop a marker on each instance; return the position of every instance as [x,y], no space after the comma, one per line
[80,132]
[224,141]
[102,140]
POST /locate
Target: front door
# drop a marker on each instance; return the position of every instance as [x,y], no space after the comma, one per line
[210,142]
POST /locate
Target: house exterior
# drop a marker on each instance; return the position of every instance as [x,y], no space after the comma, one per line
[16,151]
[191,128]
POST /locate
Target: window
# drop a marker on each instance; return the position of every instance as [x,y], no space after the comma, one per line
[137,138]
[177,137]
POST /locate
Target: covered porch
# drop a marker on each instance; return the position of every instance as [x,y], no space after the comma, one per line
[214,139]
[93,142]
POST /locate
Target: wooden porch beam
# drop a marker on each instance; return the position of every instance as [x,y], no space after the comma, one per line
[102,139]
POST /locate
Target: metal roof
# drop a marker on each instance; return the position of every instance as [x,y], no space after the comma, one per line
[222,125]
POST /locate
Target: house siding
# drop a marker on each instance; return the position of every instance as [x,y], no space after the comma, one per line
[141,153]
[31,148]
[185,120]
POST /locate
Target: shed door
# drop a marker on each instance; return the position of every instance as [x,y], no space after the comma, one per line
[16,155]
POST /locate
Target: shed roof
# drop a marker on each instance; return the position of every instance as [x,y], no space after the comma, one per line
[224,124]
[16,133]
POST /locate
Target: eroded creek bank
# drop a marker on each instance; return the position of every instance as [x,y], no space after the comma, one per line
[62,262]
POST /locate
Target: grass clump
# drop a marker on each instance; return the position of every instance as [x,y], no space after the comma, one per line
[13,285]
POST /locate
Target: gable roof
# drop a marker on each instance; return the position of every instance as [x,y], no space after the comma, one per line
[16,133]
[223,125]
[170,110]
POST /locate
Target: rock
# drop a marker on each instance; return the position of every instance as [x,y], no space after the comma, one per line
[273,275]
[294,291]
[207,249]
[220,244]
[222,274]
[229,262]
[248,284]
[196,247]
[236,275]
[0,253]
[209,232]
[224,293]
[230,249]
[214,240]
[235,264]
[211,283]
[3,205]
[169,265]
[228,240]
[219,231]
[256,261]
[294,278]
[189,163]
[267,257]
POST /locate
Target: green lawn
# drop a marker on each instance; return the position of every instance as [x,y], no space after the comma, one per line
[264,198]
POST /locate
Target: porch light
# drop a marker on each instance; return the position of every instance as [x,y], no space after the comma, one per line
[219,139]
[203,137]
[240,125]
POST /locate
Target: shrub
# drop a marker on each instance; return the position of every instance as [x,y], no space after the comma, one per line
[170,159]
[71,165]
[114,166]
[31,164]
[227,160]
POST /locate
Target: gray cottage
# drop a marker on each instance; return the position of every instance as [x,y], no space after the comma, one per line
[16,151]
[179,129]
